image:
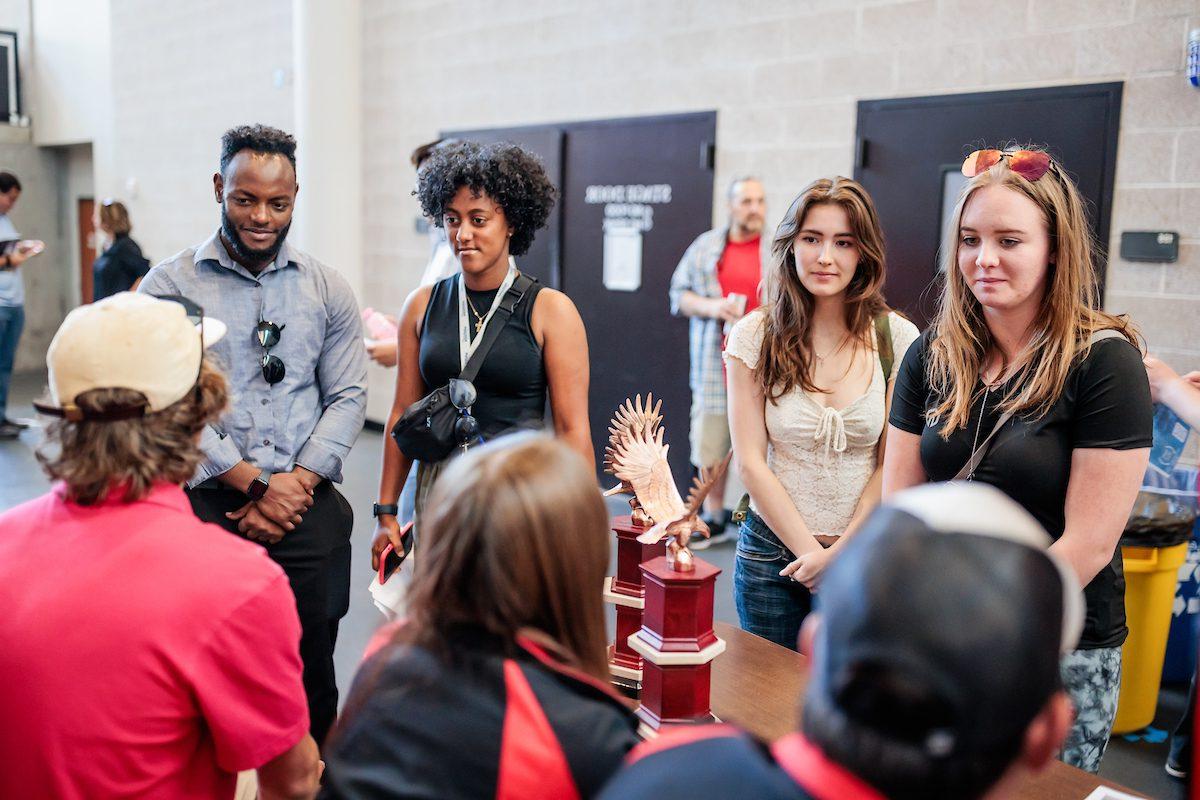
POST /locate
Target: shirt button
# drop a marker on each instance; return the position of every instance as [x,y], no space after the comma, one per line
[265,401]
[266,441]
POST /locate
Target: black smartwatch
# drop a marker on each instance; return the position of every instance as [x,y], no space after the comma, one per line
[379,509]
[258,487]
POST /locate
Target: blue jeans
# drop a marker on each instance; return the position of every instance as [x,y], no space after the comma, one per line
[12,320]
[768,604]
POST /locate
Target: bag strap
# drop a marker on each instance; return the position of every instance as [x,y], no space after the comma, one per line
[883,344]
[977,457]
[512,297]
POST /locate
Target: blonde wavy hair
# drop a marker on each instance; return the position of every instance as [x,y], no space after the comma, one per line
[96,458]
[960,340]
[785,359]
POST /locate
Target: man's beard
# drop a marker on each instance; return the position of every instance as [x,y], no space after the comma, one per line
[247,254]
[750,227]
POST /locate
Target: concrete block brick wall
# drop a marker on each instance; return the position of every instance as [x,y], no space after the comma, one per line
[785,78]
[183,73]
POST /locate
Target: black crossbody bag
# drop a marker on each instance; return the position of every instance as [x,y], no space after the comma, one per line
[425,431]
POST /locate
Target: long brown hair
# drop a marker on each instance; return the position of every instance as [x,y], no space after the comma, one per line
[514,539]
[1068,316]
[785,360]
[94,458]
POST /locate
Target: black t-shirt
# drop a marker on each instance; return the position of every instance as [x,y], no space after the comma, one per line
[1105,403]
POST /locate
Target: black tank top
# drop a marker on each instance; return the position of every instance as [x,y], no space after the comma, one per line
[511,384]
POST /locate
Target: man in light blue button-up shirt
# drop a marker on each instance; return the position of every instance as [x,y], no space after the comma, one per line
[297,372]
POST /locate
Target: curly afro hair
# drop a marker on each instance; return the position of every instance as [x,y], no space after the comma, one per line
[258,139]
[512,177]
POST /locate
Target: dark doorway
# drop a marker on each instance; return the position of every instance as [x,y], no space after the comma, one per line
[909,152]
[634,193]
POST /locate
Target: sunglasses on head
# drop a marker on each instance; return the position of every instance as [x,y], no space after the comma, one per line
[466,427]
[268,335]
[1029,164]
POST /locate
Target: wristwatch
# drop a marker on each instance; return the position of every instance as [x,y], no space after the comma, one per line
[258,487]
[379,509]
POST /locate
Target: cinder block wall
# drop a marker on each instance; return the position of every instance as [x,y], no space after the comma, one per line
[183,73]
[784,76]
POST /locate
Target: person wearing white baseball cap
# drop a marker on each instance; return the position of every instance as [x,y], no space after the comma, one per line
[172,645]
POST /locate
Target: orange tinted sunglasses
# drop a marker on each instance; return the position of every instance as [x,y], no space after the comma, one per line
[1029,164]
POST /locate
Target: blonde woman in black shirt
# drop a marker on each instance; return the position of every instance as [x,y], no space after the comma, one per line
[1020,347]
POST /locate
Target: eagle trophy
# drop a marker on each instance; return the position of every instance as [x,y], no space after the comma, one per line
[631,417]
[637,456]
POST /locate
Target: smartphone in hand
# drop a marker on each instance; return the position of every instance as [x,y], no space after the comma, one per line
[390,561]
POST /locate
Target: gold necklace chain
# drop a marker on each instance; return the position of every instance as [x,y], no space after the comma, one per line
[478,316]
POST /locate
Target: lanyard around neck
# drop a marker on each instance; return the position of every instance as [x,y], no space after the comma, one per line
[466,342]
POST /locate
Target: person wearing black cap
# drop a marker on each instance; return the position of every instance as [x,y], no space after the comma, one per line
[934,667]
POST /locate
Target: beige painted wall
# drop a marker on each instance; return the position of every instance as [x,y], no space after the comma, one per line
[69,80]
[784,77]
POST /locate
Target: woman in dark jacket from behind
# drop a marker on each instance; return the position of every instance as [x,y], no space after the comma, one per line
[121,265]
[497,684]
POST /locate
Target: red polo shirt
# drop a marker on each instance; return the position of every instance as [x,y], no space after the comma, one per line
[144,653]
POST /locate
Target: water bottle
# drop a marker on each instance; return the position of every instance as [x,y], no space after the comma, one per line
[1193,64]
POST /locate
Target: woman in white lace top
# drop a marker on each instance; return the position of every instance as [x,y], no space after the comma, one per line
[808,401]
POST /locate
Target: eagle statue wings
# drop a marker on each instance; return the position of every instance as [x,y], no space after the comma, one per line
[637,456]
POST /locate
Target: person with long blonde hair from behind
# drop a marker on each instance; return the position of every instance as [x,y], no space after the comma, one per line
[1023,383]
[497,685]
[808,395]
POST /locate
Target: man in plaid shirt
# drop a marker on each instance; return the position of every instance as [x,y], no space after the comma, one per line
[715,284]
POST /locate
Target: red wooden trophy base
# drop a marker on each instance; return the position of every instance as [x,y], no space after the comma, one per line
[626,592]
[677,645]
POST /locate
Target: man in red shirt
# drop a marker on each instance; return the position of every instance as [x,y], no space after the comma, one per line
[716,284]
[145,654]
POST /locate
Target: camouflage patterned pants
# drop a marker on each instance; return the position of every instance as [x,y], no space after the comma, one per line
[1092,679]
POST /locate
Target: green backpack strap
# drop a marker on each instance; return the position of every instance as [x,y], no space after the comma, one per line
[743,508]
[883,343]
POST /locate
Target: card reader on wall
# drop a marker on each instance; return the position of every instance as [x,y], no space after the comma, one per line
[1155,246]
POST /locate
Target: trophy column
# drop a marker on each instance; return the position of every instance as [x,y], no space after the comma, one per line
[677,645]
[626,592]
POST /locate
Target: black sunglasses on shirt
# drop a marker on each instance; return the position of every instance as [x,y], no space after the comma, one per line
[268,335]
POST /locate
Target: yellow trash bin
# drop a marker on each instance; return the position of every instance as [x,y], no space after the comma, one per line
[1150,577]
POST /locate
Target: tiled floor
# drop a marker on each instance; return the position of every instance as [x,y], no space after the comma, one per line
[1135,764]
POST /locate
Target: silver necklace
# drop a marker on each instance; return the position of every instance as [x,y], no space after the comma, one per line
[987,388]
[841,342]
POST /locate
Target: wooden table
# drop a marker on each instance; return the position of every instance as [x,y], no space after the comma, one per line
[757,685]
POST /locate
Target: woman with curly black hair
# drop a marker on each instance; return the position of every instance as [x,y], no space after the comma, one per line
[491,199]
